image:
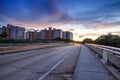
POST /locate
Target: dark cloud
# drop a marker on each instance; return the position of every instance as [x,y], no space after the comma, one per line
[55,11]
[109,14]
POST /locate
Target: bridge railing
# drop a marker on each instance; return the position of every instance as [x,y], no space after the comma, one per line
[109,55]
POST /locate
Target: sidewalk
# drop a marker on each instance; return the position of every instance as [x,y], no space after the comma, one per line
[90,68]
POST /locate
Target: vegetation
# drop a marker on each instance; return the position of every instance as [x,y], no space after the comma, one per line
[6,40]
[64,40]
[87,40]
[109,40]
[3,35]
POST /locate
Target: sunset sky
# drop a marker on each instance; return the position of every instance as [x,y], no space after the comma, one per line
[85,18]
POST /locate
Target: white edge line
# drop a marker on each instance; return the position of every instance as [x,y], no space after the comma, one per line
[50,70]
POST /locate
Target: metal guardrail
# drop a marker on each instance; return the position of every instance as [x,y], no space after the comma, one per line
[114,50]
[109,55]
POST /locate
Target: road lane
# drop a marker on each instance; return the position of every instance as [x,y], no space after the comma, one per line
[65,70]
[22,55]
[25,63]
[27,60]
[31,68]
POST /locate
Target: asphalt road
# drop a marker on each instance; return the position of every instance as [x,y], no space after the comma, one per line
[56,63]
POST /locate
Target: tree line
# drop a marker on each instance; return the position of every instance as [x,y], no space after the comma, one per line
[109,40]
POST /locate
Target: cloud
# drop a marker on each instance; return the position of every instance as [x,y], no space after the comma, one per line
[108,14]
[50,13]
[32,11]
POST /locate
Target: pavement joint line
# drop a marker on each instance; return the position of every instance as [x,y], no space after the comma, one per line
[32,70]
[92,71]
[50,70]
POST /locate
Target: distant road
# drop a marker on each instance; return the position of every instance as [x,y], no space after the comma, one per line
[44,64]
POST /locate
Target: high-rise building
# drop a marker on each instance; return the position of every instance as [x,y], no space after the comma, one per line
[64,35]
[35,35]
[43,34]
[4,29]
[68,35]
[1,30]
[38,35]
[32,35]
[27,35]
[58,33]
[47,34]
[51,33]
[15,32]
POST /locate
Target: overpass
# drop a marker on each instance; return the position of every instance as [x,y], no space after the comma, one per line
[68,62]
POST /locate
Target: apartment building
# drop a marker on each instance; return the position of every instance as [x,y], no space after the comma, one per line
[58,33]
[68,35]
[13,32]
[50,33]
[17,33]
[33,35]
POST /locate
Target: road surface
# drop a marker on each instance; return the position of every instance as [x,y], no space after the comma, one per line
[44,64]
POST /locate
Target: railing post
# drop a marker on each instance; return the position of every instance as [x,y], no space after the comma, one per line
[105,56]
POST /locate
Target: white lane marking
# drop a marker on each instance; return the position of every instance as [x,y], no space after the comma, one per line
[50,70]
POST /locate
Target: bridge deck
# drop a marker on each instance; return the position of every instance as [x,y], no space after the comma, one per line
[90,68]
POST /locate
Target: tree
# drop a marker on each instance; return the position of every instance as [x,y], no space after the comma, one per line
[3,35]
[109,40]
[87,40]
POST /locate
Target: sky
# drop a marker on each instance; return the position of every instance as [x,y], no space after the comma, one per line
[85,18]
